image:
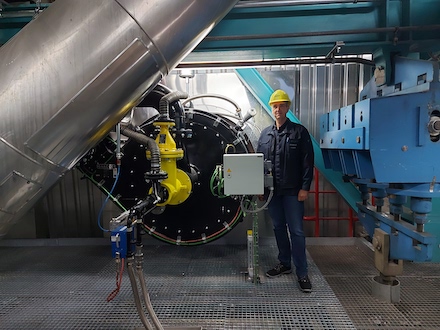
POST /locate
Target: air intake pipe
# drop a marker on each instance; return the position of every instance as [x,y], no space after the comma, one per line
[164,104]
[148,142]
[69,76]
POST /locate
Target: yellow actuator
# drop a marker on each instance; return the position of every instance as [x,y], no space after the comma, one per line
[178,184]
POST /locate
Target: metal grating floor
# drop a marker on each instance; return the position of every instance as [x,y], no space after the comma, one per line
[65,287]
[349,271]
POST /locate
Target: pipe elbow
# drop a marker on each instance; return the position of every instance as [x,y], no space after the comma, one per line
[148,142]
[164,103]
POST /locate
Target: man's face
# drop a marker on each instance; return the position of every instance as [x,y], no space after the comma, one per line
[279,110]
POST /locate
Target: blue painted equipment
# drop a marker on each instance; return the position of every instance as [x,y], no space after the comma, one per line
[388,144]
[119,242]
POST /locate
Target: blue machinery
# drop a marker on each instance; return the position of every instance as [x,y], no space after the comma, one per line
[387,144]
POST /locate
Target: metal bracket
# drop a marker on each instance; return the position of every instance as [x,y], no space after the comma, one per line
[381,243]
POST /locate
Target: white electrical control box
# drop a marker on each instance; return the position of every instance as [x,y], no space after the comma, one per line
[243,174]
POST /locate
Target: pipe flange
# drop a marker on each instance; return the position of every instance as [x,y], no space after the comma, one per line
[156,176]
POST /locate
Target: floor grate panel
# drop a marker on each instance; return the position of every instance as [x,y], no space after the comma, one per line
[349,271]
[66,287]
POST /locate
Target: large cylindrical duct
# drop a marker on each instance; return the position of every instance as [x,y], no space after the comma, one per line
[71,74]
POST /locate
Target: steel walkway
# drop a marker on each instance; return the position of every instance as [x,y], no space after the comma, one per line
[65,287]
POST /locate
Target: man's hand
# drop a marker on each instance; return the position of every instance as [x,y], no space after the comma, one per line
[302,195]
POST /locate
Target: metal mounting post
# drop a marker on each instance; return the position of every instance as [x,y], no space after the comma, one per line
[386,286]
[256,256]
[253,267]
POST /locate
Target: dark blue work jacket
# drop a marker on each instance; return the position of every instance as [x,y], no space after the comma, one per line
[290,150]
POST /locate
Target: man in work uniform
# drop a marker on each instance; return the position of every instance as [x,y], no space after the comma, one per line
[288,146]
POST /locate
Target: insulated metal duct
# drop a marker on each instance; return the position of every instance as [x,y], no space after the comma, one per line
[71,74]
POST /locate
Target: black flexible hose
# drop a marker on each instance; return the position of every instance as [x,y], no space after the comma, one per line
[164,104]
[148,142]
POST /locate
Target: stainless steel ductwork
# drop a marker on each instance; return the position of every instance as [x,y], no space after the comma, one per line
[71,74]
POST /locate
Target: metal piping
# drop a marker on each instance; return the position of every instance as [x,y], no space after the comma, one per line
[280,3]
[70,75]
[147,300]
[137,299]
[395,29]
[298,61]
[218,96]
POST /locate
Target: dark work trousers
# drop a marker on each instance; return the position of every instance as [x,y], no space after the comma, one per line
[287,218]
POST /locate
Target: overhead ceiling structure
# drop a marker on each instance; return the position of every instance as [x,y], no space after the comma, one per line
[274,31]
[281,30]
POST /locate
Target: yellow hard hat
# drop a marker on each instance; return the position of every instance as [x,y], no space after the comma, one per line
[279,96]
